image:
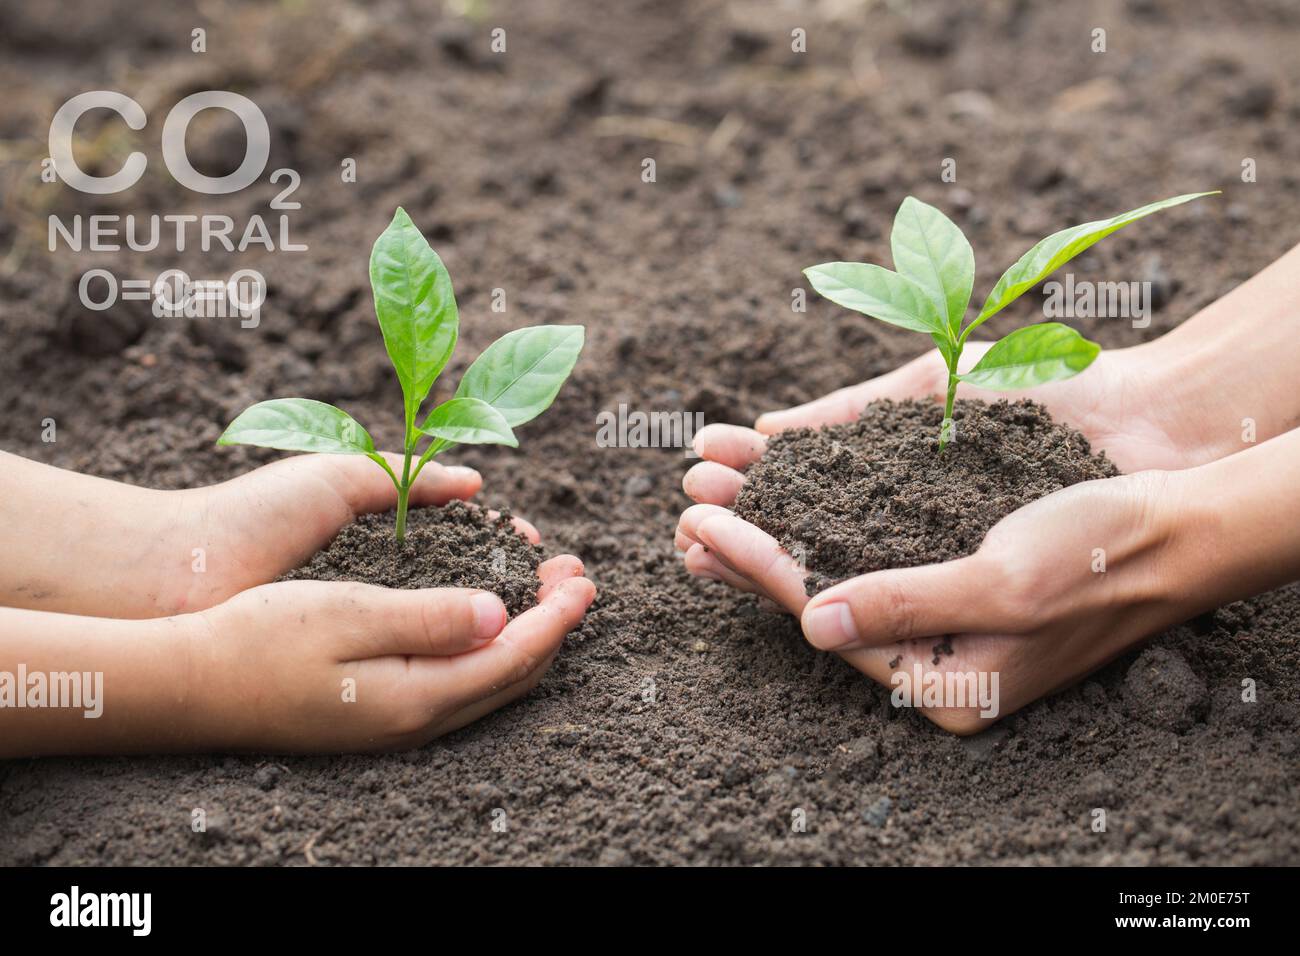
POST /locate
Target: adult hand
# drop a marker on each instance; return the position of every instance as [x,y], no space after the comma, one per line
[1055,590]
[1031,605]
[1119,404]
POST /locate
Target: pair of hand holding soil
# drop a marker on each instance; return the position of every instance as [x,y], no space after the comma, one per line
[1203,422]
[100,577]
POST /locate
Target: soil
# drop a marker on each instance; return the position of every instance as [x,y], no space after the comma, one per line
[877,493]
[454,546]
[681,723]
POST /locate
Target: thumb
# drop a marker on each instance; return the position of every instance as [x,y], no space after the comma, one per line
[901,604]
[438,622]
[366,488]
[918,378]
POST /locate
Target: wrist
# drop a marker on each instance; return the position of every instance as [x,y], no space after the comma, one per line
[1238,542]
[177,523]
[152,547]
[1175,388]
[201,682]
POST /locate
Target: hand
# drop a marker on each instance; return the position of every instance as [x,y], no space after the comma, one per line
[272,663]
[259,525]
[142,542]
[1120,404]
[1029,605]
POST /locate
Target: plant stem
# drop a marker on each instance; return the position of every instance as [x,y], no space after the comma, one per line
[946,427]
[945,430]
[404,486]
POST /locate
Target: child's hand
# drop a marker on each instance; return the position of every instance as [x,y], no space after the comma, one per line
[156,553]
[259,525]
[293,666]
[317,666]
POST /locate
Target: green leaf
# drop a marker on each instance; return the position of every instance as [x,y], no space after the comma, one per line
[521,373]
[930,250]
[298,424]
[1059,248]
[1031,356]
[469,421]
[879,293]
[415,305]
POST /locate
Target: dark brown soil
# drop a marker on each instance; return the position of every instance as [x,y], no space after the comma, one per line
[681,723]
[877,493]
[455,546]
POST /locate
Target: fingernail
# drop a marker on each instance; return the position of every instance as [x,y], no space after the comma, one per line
[489,616]
[461,471]
[831,626]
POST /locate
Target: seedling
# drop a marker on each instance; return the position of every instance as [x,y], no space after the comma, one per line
[512,382]
[932,288]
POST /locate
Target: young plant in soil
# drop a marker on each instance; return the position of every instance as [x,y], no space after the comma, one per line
[511,383]
[932,288]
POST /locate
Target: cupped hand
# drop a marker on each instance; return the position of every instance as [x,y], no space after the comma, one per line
[256,527]
[1057,589]
[314,666]
[1119,404]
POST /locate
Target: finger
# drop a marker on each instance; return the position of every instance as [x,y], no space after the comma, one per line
[525,528]
[711,483]
[916,379]
[756,555]
[729,445]
[715,566]
[556,569]
[555,572]
[437,622]
[705,564]
[903,604]
[688,525]
[523,646]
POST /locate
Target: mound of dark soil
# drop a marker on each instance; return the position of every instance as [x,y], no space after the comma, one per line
[453,546]
[877,493]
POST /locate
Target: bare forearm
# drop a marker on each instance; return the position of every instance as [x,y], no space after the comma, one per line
[83,545]
[1231,367]
[1239,533]
[73,684]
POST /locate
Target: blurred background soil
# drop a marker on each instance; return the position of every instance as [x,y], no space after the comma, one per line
[683,723]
